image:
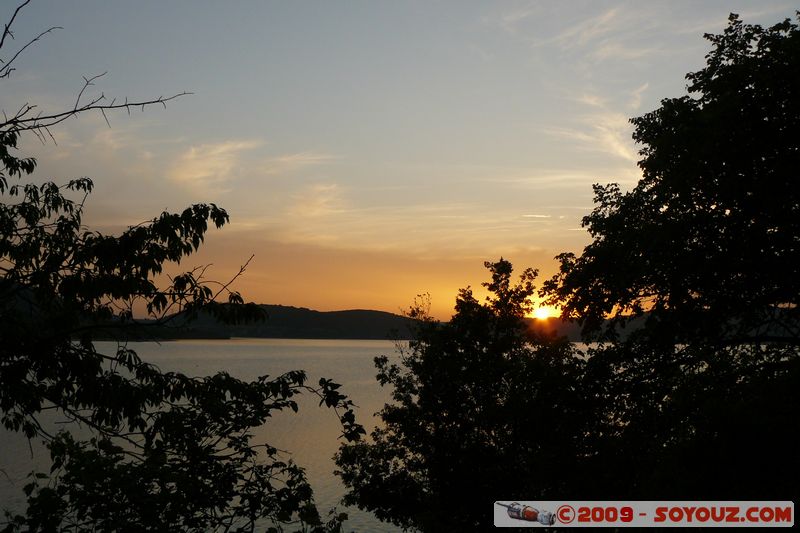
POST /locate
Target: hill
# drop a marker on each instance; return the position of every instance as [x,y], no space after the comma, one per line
[301,323]
[298,323]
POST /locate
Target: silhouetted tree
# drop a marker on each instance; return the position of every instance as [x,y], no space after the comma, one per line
[167,452]
[689,291]
[701,263]
[714,222]
[481,409]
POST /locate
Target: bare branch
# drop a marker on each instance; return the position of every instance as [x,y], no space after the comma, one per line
[105,117]
[86,83]
[47,130]
[22,123]
[234,278]
[7,30]
[7,70]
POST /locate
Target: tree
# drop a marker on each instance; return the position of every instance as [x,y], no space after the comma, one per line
[714,222]
[700,262]
[167,452]
[689,293]
[481,409]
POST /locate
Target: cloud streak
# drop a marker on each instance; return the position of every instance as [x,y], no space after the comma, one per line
[636,96]
[614,34]
[317,200]
[288,163]
[605,131]
[211,167]
[589,30]
[604,128]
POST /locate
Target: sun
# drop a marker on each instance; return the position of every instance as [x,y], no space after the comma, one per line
[545,312]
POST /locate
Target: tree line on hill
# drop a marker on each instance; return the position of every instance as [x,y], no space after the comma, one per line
[287,322]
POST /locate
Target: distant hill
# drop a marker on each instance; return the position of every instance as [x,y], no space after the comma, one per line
[301,323]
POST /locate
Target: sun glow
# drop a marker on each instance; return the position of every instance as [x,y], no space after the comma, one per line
[545,312]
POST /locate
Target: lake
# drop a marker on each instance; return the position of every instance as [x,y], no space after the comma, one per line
[311,435]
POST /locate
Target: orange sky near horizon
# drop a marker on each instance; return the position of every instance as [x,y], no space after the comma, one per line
[367,152]
[330,279]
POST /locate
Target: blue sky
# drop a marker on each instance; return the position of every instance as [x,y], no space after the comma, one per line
[366,151]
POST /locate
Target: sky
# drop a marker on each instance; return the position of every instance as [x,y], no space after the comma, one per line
[366,151]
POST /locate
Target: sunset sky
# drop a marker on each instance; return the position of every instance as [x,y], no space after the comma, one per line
[365,151]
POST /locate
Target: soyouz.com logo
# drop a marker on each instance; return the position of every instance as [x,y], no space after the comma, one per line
[644,514]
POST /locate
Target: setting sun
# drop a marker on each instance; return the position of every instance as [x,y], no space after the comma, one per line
[544,312]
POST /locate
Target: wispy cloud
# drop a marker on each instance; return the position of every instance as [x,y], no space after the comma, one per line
[317,200]
[614,50]
[510,19]
[589,30]
[110,139]
[211,167]
[523,22]
[615,34]
[636,97]
[613,133]
[604,127]
[554,179]
[606,131]
[304,158]
[592,100]
[718,23]
[290,162]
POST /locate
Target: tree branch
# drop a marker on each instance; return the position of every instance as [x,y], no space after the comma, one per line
[6,71]
[42,122]
[7,30]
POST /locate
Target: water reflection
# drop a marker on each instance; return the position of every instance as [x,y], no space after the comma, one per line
[311,435]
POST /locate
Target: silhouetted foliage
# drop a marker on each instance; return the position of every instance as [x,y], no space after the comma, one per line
[167,452]
[689,292]
[714,223]
[702,260]
[481,408]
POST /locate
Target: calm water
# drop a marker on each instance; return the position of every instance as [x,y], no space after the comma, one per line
[311,435]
